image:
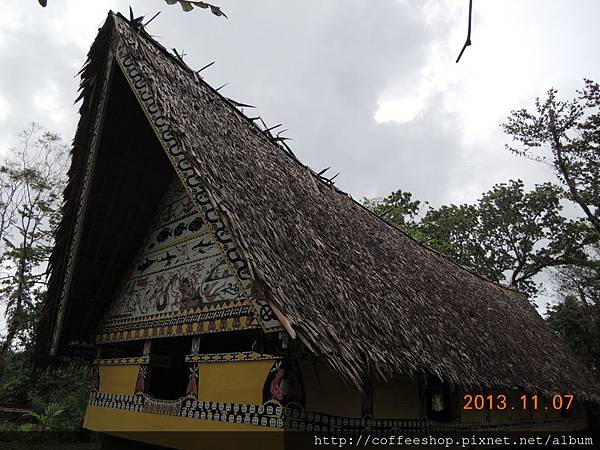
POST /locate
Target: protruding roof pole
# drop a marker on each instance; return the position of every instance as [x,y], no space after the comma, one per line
[468,41]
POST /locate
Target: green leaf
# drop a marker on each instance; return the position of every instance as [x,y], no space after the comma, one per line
[189,5]
[216,11]
[186,6]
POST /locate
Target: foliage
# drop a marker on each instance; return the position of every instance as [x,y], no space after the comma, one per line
[185,5]
[32,179]
[578,325]
[454,231]
[188,6]
[581,282]
[398,209]
[17,380]
[67,386]
[524,232]
[565,135]
[576,316]
[46,415]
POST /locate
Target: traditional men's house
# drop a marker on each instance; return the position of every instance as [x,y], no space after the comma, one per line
[223,285]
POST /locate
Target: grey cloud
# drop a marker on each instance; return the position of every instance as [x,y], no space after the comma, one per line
[317,67]
[319,70]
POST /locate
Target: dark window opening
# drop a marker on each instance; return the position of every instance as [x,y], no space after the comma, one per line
[438,401]
[169,371]
[233,341]
[122,350]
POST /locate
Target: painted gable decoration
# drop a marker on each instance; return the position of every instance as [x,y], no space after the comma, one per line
[182,276]
[180,266]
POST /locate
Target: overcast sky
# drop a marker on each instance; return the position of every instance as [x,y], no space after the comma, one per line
[368,87]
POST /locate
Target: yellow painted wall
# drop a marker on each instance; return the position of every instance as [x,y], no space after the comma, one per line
[397,399]
[236,382]
[325,392]
[118,379]
[131,425]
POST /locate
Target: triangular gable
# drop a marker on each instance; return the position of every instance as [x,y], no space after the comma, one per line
[221,234]
[241,310]
[181,276]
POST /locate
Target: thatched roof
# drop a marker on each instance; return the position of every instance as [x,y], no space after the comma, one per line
[357,291]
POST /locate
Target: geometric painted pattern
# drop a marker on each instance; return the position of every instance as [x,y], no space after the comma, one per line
[229,357]
[228,316]
[180,267]
[203,203]
[273,415]
[123,361]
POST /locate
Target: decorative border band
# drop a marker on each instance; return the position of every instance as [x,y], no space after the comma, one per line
[123,361]
[208,311]
[229,357]
[184,329]
[273,415]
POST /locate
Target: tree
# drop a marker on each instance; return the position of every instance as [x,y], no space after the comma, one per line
[578,326]
[32,179]
[31,184]
[524,233]
[565,135]
[454,231]
[576,316]
[582,283]
[398,209]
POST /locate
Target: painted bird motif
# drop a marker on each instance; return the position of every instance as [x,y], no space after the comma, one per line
[145,264]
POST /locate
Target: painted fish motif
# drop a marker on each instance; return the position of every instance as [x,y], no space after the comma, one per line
[179,229]
[195,225]
[164,234]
